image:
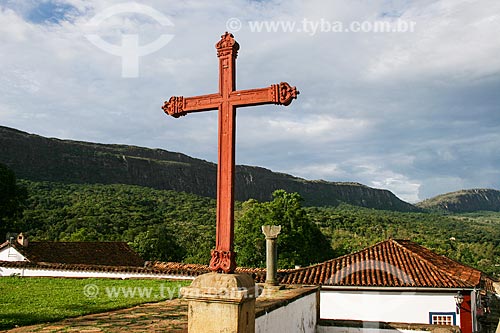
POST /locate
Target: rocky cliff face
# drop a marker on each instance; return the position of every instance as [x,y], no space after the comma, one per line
[465,201]
[38,158]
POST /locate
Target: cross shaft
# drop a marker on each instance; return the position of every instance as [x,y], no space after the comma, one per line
[226,101]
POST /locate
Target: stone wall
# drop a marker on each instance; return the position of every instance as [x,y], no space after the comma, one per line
[297,313]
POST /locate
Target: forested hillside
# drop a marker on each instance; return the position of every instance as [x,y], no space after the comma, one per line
[168,225]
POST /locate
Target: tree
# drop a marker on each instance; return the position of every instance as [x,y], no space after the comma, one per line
[158,243]
[12,198]
[299,243]
[81,235]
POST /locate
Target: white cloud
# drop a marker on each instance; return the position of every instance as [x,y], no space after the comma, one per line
[406,189]
[453,38]
[416,113]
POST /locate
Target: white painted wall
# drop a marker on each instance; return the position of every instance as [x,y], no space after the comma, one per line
[298,316]
[36,272]
[327,329]
[10,254]
[387,306]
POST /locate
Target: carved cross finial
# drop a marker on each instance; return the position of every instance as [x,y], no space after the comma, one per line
[226,45]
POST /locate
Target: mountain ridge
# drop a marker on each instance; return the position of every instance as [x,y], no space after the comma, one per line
[464,201]
[38,158]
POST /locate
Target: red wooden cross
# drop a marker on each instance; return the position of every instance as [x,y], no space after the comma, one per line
[226,101]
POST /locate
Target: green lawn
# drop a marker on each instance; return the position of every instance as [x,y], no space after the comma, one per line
[26,301]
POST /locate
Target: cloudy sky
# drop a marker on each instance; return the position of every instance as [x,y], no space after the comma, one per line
[414,110]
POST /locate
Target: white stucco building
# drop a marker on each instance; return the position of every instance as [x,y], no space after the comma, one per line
[398,281]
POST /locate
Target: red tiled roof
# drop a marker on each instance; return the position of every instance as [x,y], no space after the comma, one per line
[155,268]
[74,267]
[86,253]
[392,263]
[177,267]
[259,274]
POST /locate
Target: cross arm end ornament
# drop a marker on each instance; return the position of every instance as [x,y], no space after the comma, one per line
[283,93]
[174,106]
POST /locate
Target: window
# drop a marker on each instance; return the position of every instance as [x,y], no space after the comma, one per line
[442,318]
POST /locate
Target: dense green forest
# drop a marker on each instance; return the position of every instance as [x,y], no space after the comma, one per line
[161,225]
[472,239]
[168,225]
[12,198]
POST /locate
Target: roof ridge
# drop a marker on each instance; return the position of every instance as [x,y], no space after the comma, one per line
[415,254]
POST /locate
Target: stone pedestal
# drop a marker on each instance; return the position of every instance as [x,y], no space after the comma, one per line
[221,303]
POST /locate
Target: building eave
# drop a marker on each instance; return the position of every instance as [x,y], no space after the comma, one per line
[396,289]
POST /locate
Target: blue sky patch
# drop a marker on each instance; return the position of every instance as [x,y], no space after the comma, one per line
[50,12]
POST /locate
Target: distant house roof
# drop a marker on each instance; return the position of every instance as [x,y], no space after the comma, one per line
[71,253]
[188,271]
[259,274]
[391,263]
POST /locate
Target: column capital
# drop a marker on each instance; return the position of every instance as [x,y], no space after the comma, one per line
[271,231]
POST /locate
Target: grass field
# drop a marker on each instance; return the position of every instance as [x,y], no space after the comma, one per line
[26,301]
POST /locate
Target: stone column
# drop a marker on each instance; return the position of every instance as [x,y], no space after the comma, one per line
[271,232]
[221,303]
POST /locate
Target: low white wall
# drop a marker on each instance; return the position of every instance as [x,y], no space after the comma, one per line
[390,306]
[36,272]
[298,316]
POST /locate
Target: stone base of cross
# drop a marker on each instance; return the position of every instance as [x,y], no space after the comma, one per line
[226,101]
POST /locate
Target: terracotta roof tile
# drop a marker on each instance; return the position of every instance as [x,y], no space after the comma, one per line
[71,267]
[259,274]
[155,268]
[87,253]
[392,263]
